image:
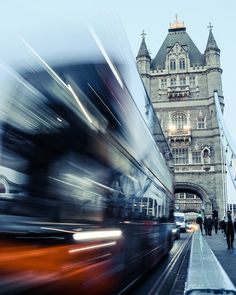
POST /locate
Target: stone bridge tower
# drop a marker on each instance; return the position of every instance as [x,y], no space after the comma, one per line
[181,82]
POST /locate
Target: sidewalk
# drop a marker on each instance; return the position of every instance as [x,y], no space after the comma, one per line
[227,258]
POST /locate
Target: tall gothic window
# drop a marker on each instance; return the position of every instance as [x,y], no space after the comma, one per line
[201,123]
[196,156]
[182,63]
[179,120]
[173,82]
[180,155]
[192,81]
[182,81]
[172,64]
[163,83]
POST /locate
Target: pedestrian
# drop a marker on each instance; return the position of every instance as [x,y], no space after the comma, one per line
[235,224]
[209,226]
[216,224]
[229,231]
[199,221]
[223,226]
[205,225]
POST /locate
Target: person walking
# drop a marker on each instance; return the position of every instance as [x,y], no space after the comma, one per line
[223,226]
[199,222]
[209,226]
[216,224]
[229,231]
[205,225]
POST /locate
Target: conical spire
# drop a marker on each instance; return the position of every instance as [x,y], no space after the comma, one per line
[211,42]
[143,51]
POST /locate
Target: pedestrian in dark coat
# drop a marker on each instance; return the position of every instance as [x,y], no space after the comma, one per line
[229,231]
[216,225]
[209,226]
[205,225]
[199,222]
[223,225]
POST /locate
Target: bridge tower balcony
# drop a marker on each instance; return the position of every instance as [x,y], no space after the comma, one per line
[179,135]
[178,92]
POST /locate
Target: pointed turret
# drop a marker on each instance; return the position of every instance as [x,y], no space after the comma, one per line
[211,42]
[143,51]
[143,63]
[143,58]
[212,54]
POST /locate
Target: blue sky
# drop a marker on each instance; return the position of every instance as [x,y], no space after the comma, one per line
[154,16]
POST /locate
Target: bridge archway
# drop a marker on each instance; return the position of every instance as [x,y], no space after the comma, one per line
[194,189]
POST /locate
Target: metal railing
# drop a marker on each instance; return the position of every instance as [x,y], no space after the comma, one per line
[205,274]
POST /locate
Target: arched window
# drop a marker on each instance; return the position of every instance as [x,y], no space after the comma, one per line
[206,155]
[172,64]
[182,63]
[2,188]
[179,120]
[201,121]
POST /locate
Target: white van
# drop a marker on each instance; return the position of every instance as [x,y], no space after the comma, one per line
[180,220]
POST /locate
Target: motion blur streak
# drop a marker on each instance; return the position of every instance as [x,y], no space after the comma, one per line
[85,193]
[73,185]
[55,75]
[92,247]
[19,79]
[79,103]
[45,65]
[104,186]
[97,234]
[104,104]
[108,60]
[58,229]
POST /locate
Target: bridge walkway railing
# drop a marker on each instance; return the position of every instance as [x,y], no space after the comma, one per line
[205,274]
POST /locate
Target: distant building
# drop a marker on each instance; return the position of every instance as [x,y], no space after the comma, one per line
[181,82]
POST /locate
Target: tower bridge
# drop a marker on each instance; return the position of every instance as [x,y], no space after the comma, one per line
[85,192]
[182,83]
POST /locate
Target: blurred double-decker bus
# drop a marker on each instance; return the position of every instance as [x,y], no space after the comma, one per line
[89,207]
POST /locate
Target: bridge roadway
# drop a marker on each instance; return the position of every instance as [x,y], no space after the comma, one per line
[190,267]
[169,276]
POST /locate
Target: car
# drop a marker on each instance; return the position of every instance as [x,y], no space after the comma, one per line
[180,220]
[176,232]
